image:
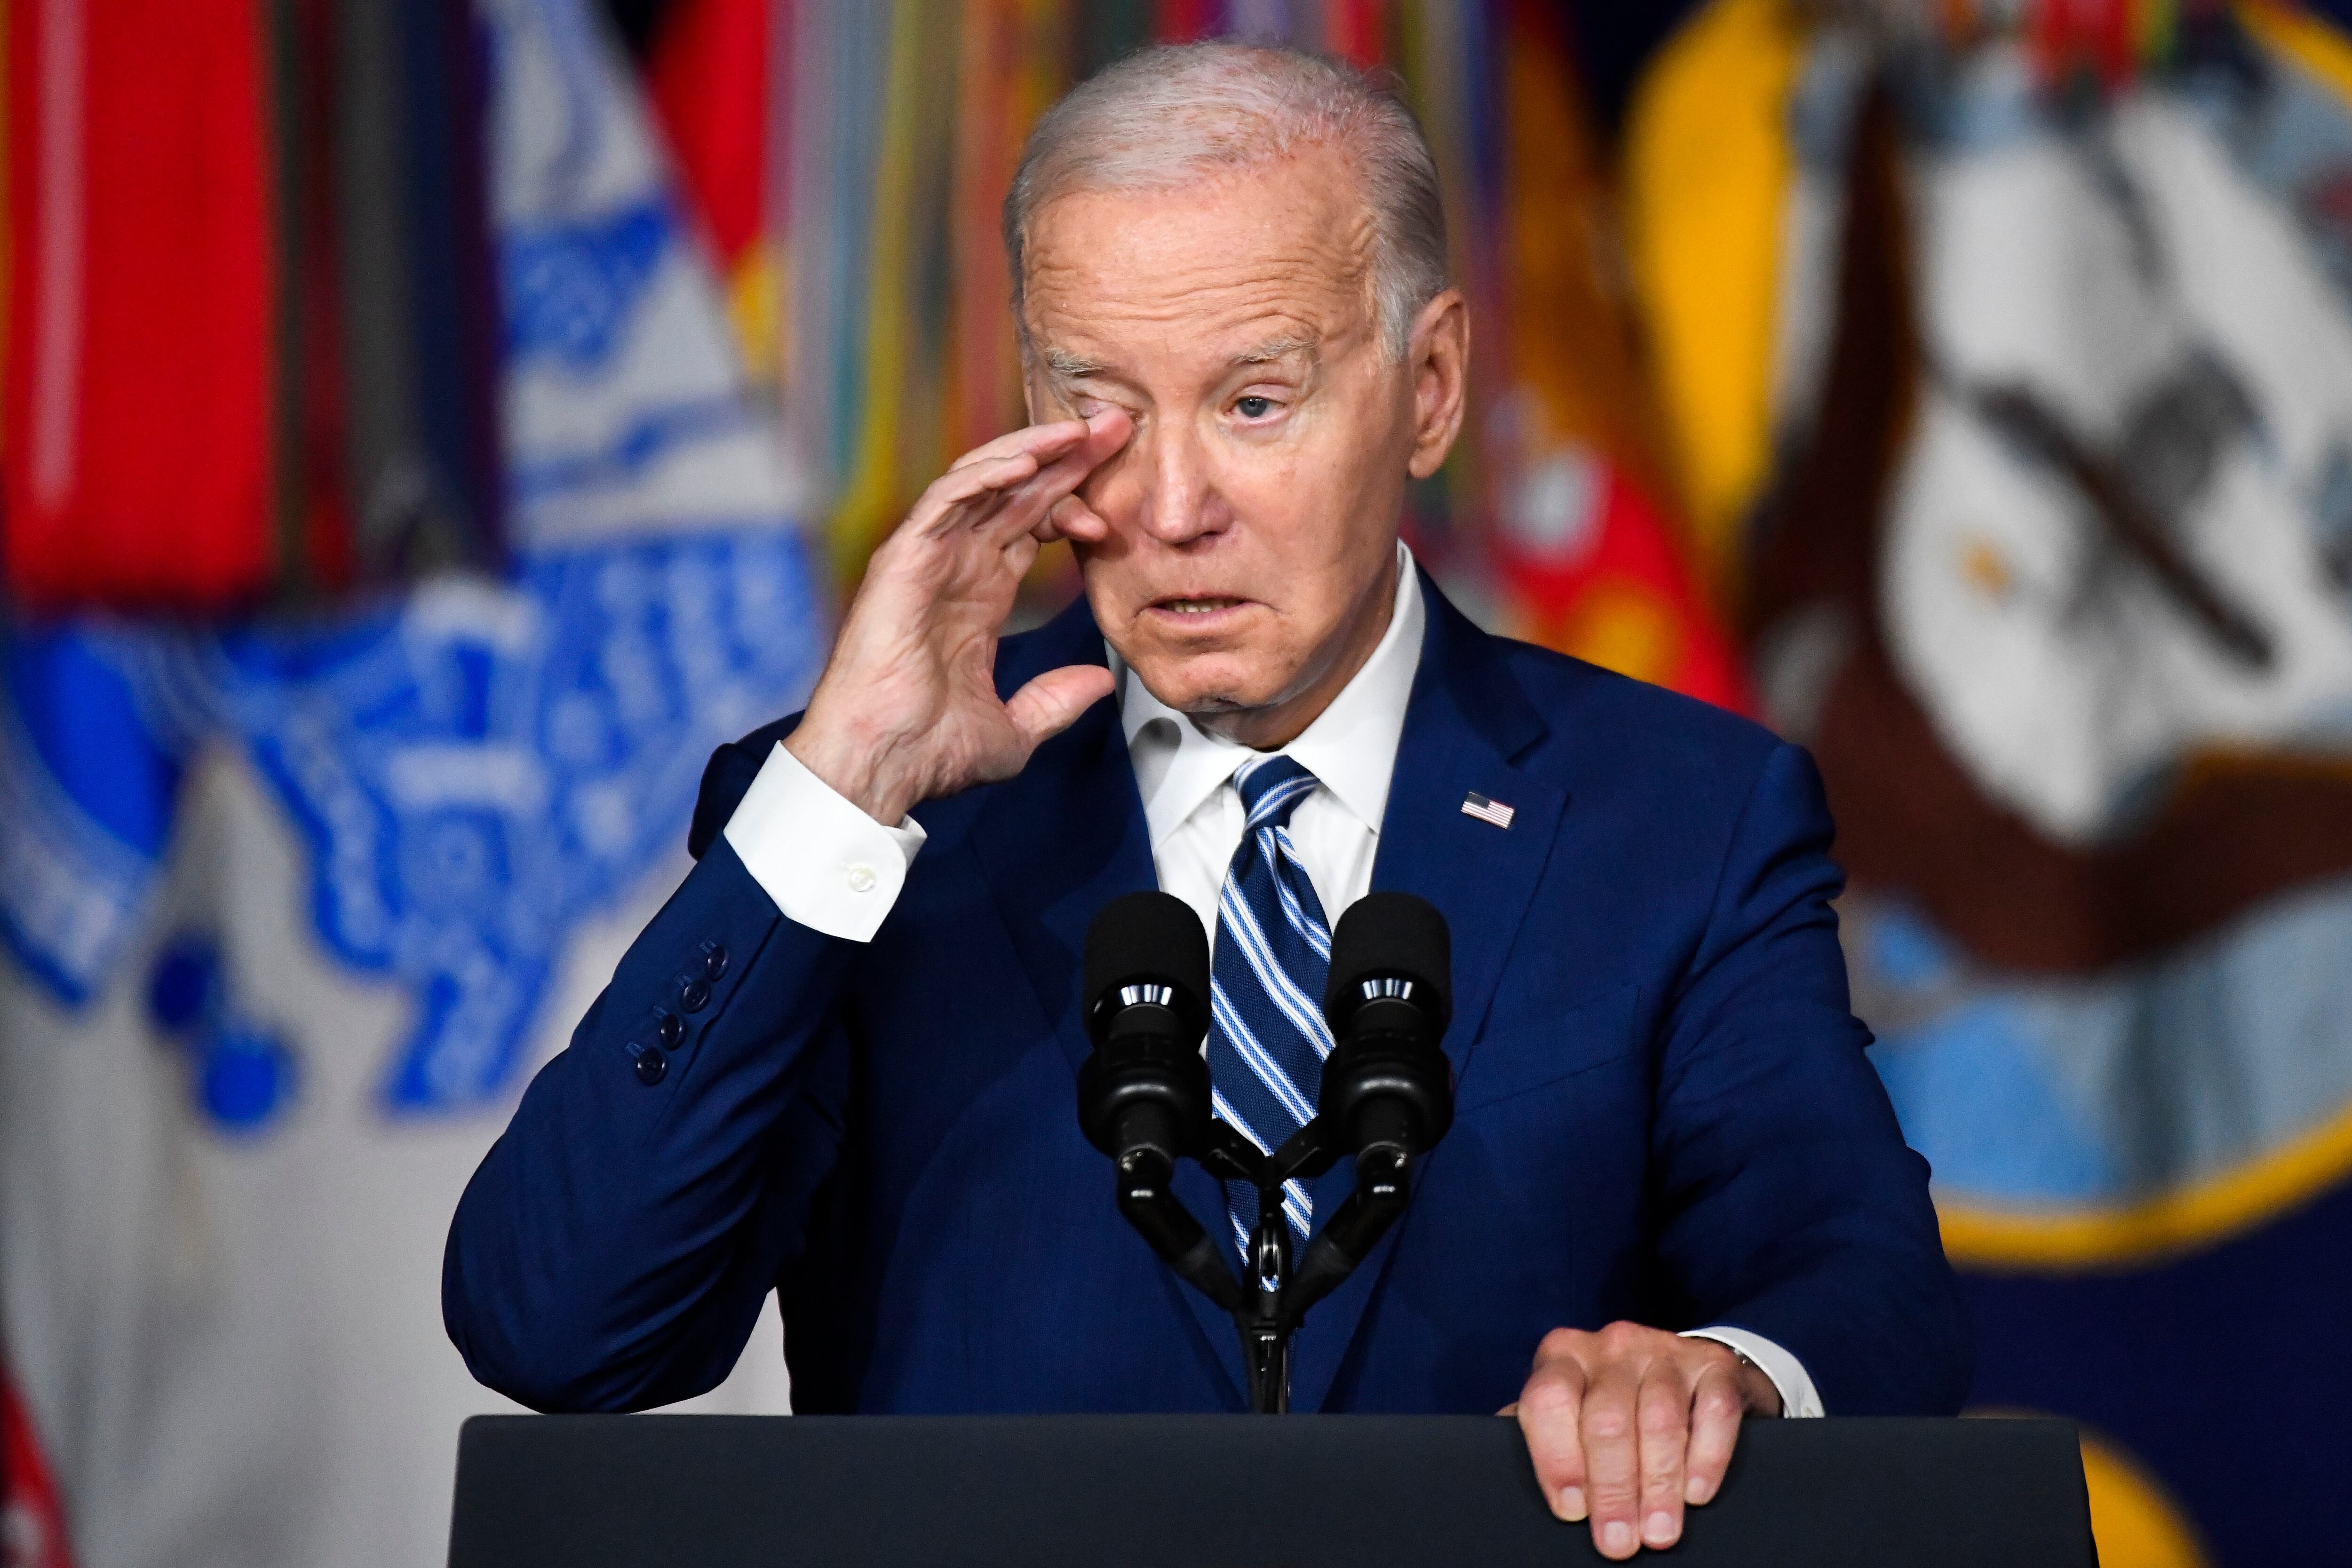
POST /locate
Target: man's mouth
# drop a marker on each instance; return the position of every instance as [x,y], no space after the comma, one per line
[1195,606]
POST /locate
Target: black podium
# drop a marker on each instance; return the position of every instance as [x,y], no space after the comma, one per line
[1223,1491]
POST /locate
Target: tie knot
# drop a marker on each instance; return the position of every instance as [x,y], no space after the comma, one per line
[1271,789]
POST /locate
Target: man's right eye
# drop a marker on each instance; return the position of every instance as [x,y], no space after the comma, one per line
[1253,407]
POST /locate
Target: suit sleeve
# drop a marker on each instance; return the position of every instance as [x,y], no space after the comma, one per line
[1788,1204]
[612,1251]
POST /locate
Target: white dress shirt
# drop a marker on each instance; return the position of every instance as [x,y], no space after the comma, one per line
[831,867]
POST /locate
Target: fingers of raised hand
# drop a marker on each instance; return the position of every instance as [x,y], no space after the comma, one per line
[960,496]
[1012,491]
[990,469]
[1072,518]
[1056,483]
[964,496]
[1550,1409]
[1043,442]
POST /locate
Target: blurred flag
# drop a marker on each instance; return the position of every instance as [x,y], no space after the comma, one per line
[1582,548]
[140,384]
[250,333]
[397,349]
[2049,564]
[710,82]
[293,907]
[32,1520]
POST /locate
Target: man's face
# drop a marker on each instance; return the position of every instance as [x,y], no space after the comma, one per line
[1253,515]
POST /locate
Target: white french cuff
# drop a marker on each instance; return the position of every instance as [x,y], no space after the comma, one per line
[1798,1395]
[828,865]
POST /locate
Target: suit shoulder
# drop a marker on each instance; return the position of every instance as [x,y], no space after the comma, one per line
[1632,748]
[1687,780]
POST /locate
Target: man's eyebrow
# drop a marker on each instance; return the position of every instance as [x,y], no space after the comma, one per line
[1070,366]
[1275,349]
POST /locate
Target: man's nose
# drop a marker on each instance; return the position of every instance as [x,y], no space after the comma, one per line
[1180,500]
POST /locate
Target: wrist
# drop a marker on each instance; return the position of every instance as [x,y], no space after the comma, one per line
[852,767]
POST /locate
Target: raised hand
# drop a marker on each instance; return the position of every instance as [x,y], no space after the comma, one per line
[907,709]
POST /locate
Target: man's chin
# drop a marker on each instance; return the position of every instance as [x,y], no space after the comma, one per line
[1200,693]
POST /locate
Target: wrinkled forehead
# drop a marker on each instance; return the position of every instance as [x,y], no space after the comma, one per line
[1274,252]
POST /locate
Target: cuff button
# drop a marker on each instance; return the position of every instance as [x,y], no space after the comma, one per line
[714,962]
[693,996]
[861,878]
[671,1029]
[652,1067]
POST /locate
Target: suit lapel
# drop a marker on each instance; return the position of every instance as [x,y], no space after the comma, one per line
[1467,727]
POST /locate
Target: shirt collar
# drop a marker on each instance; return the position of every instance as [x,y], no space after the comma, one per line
[1350,748]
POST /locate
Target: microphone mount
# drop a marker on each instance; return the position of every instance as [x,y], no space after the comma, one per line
[1386,1097]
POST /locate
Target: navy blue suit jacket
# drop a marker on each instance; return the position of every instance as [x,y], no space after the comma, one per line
[1664,1111]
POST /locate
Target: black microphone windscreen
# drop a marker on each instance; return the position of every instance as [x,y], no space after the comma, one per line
[1149,936]
[1392,934]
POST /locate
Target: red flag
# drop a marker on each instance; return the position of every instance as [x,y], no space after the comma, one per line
[139,382]
[1352,29]
[709,79]
[1592,568]
[1181,21]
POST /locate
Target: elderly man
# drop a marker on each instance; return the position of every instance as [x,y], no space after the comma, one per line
[839,1063]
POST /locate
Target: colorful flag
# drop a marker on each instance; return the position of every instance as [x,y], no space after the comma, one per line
[294,907]
[1584,552]
[141,389]
[709,79]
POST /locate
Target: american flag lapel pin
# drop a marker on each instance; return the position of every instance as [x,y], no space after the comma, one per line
[1474,804]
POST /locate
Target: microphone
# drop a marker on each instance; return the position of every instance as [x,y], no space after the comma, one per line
[1387,1095]
[1143,1094]
[1388,1090]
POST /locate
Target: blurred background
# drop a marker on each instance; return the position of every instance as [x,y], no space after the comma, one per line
[431,425]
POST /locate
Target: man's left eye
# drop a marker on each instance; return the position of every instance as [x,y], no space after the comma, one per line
[1253,407]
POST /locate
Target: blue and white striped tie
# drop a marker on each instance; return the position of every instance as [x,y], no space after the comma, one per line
[1267,1039]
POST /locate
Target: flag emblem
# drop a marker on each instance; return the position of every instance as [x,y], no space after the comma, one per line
[1474,804]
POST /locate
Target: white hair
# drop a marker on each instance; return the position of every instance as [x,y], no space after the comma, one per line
[1169,115]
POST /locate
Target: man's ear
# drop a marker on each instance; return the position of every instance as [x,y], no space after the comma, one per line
[1439,356]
